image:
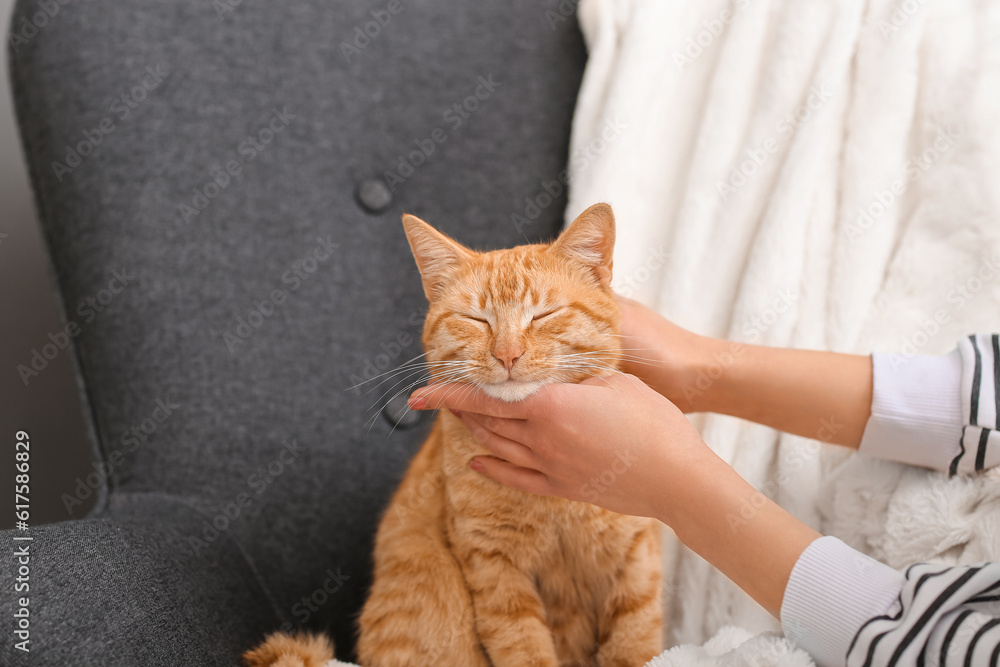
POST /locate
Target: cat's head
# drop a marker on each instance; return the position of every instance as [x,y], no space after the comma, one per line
[512,320]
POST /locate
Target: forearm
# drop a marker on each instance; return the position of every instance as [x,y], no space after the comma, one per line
[821,395]
[737,529]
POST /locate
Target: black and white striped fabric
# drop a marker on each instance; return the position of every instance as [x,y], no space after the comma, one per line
[979,446]
[843,607]
[944,617]
[949,616]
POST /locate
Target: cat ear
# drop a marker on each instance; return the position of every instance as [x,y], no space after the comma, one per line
[436,254]
[590,240]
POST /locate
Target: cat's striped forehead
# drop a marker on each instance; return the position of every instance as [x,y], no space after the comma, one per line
[521,276]
[506,277]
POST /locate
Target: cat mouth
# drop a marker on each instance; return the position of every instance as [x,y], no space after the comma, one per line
[510,390]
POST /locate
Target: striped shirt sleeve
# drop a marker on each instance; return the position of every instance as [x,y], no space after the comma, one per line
[943,616]
[939,412]
[845,608]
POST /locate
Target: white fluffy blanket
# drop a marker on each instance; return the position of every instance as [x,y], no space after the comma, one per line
[735,647]
[805,173]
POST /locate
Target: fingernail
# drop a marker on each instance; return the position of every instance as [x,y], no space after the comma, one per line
[417,402]
[476,465]
[456,413]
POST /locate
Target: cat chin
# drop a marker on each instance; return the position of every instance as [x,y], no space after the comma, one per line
[511,392]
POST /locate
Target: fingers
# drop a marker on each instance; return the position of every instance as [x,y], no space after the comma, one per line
[505,448]
[465,399]
[517,430]
[610,380]
[600,380]
[511,475]
[617,381]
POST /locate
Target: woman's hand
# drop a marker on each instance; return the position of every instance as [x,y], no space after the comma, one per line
[616,443]
[610,441]
[663,355]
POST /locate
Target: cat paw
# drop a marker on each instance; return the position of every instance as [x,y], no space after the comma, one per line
[283,650]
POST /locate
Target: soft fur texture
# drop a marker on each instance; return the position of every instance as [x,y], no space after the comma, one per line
[852,97]
[735,647]
[902,515]
[283,650]
[471,573]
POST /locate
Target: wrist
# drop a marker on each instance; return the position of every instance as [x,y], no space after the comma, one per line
[738,530]
[707,373]
[686,497]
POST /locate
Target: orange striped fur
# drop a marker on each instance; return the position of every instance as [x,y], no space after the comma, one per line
[471,573]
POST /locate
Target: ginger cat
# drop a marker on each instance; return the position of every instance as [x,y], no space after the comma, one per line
[471,573]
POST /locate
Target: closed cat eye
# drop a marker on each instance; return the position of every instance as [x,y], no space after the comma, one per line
[545,314]
[475,319]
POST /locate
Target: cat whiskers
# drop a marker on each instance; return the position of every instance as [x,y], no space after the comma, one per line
[406,366]
[456,382]
[405,374]
[619,353]
[461,373]
[425,373]
[592,363]
[449,378]
[475,385]
[454,371]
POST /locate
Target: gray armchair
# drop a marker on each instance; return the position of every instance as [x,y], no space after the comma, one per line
[240,167]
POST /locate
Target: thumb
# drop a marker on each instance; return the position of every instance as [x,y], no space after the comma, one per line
[610,380]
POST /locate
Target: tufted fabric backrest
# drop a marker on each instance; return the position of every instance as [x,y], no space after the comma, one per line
[220,186]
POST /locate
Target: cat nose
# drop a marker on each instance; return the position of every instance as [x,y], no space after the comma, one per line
[507,355]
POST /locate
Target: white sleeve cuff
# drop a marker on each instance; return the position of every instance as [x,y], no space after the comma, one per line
[916,409]
[834,590]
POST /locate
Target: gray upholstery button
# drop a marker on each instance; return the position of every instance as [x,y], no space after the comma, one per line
[397,413]
[373,195]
